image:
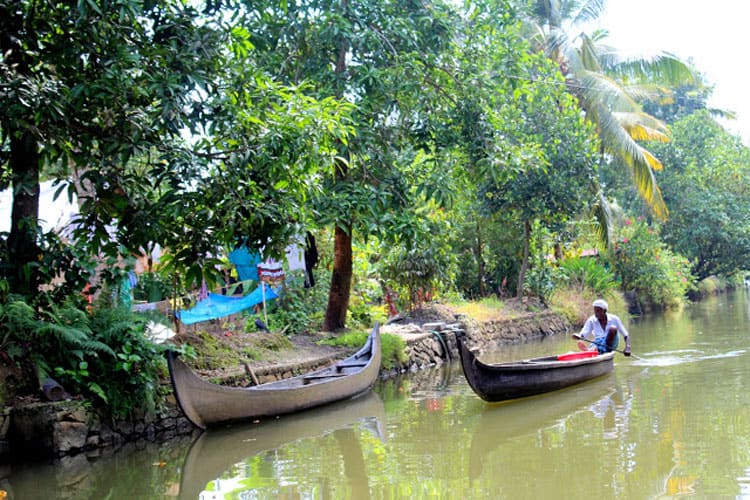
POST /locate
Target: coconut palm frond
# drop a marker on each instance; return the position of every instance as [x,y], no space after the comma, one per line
[661,67]
[557,45]
[722,113]
[641,163]
[590,10]
[642,126]
[601,90]
[650,92]
[588,52]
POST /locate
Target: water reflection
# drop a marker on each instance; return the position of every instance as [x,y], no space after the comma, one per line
[137,470]
[501,422]
[213,466]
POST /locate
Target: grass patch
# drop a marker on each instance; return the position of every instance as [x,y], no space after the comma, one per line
[273,342]
[213,354]
[393,346]
[487,309]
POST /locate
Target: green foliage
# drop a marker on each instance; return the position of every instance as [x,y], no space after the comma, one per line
[707,187]
[586,274]
[58,337]
[298,309]
[393,346]
[104,355]
[62,270]
[538,281]
[417,271]
[152,287]
[645,265]
[416,268]
[130,380]
[109,102]
[709,286]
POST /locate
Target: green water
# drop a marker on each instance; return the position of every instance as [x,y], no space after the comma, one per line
[672,422]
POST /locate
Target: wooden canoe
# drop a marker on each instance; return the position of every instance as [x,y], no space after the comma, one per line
[518,379]
[206,404]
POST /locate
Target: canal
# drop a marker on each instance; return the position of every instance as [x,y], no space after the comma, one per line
[673,420]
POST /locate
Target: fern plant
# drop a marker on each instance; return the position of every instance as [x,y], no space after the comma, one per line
[104,354]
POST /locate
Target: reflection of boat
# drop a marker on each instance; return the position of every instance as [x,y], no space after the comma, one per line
[517,379]
[499,423]
[217,451]
[205,404]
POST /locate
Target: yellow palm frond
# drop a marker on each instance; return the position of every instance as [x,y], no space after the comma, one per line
[643,127]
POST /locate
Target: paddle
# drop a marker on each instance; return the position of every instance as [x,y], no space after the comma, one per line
[578,337]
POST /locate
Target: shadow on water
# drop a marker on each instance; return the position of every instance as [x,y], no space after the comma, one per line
[216,451]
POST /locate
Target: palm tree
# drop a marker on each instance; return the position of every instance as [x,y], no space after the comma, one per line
[609,87]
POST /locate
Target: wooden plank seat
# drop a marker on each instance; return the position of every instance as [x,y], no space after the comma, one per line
[359,364]
[310,378]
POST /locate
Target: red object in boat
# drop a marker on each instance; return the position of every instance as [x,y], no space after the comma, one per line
[571,356]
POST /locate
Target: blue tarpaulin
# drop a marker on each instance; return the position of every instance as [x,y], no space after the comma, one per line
[217,306]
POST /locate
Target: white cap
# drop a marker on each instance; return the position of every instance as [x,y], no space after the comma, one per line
[601,303]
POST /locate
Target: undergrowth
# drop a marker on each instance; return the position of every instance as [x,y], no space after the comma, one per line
[393,347]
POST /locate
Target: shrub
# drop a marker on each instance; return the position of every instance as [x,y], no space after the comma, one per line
[298,309]
[152,287]
[585,274]
[710,286]
[393,346]
[648,267]
[103,355]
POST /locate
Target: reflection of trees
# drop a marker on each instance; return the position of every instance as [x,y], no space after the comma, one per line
[134,471]
[265,456]
[501,423]
[354,463]
[700,421]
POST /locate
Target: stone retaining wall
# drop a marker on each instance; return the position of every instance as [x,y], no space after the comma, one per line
[432,343]
[60,428]
[66,428]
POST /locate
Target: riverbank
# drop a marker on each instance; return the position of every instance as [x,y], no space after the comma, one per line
[68,428]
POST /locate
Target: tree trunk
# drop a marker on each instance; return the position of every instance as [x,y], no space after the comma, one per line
[22,241]
[341,277]
[480,262]
[24,171]
[525,261]
[341,281]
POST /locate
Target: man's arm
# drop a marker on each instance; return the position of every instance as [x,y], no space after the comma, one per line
[626,335]
[587,328]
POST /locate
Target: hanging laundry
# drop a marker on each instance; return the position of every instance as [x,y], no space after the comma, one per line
[246,262]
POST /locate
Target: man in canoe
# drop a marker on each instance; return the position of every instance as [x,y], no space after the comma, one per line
[604,327]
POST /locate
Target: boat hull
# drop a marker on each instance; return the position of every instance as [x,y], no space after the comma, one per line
[206,404]
[519,379]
